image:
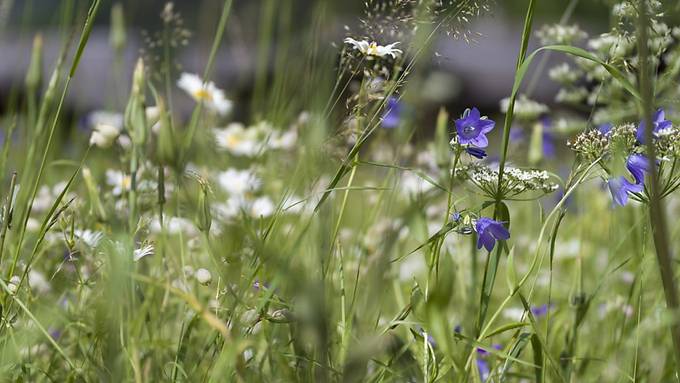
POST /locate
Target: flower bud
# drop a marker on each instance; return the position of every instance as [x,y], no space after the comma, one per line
[536,144]
[135,112]
[442,146]
[203,215]
[103,135]
[34,73]
[166,148]
[117,33]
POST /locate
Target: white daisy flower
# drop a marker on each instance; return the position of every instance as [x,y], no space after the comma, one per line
[118,180]
[372,49]
[238,140]
[239,182]
[207,93]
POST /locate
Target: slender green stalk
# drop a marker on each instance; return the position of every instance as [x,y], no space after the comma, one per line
[656,210]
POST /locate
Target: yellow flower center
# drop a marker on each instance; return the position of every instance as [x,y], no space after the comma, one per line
[373,49]
[203,94]
[233,140]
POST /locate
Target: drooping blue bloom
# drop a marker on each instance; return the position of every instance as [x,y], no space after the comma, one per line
[517,134]
[455,217]
[659,122]
[620,187]
[484,370]
[393,110]
[548,138]
[638,165]
[476,152]
[430,339]
[472,128]
[490,231]
[539,311]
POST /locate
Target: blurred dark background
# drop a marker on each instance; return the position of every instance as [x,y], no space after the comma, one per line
[467,73]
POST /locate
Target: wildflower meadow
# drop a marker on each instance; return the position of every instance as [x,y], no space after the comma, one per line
[339,191]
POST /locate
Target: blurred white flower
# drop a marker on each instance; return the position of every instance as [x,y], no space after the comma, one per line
[373,49]
[212,97]
[239,182]
[89,237]
[203,276]
[412,184]
[38,282]
[118,180]
[106,127]
[238,140]
[174,225]
[283,140]
[262,207]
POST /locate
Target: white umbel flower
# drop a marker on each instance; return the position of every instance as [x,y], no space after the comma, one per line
[372,49]
[207,93]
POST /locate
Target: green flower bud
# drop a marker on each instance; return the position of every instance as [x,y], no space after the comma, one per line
[203,215]
[117,33]
[536,144]
[135,113]
[441,142]
[34,73]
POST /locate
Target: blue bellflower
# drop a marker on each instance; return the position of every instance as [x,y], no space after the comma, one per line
[472,128]
[476,152]
[659,122]
[393,110]
[620,187]
[490,231]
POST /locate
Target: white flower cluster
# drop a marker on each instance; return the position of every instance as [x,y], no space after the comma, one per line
[560,34]
[255,140]
[525,108]
[515,180]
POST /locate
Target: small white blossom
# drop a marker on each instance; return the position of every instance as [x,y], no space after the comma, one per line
[239,182]
[142,252]
[372,49]
[207,93]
